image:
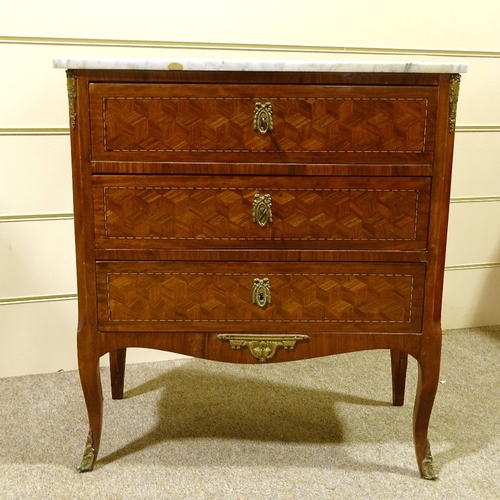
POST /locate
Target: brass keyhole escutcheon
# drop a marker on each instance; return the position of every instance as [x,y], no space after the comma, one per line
[261,294]
[263,118]
[261,212]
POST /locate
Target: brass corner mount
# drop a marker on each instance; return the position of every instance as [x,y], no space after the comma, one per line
[71,82]
[454,91]
[427,471]
[88,455]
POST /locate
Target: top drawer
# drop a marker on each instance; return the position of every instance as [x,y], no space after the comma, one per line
[329,123]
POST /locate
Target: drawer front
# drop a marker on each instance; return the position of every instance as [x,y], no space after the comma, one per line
[261,212]
[259,297]
[173,122]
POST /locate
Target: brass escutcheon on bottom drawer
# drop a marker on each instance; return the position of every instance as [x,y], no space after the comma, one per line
[262,347]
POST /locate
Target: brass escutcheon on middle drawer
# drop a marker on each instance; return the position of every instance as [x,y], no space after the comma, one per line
[261,210]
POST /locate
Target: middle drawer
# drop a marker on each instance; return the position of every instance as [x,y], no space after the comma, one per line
[356,213]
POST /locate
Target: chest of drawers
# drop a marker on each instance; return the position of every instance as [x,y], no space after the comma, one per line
[261,216]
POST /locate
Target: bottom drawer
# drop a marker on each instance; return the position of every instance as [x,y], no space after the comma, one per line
[260,297]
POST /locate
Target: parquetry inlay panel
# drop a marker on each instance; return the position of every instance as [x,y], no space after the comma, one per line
[224,124]
[227,297]
[226,213]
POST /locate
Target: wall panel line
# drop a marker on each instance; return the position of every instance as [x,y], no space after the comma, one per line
[39,298]
[30,131]
[93,42]
[34,217]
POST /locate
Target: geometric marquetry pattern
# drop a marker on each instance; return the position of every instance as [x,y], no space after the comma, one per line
[225,124]
[227,297]
[226,214]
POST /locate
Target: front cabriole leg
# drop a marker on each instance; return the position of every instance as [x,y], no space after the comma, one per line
[90,377]
[428,379]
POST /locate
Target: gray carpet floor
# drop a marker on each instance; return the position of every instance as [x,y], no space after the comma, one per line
[315,429]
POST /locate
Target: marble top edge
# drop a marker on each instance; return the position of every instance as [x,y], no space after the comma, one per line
[259,65]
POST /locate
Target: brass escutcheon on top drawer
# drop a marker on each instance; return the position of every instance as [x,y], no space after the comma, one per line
[263,117]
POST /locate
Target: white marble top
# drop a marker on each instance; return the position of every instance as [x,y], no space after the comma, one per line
[259,65]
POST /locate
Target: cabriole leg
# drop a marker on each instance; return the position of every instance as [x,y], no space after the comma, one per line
[428,379]
[92,390]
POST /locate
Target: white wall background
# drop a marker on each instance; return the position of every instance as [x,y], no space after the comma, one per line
[37,271]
